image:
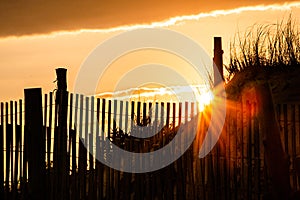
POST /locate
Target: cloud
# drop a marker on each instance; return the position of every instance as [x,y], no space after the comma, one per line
[18,18]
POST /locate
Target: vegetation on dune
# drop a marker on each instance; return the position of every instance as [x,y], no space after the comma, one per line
[264,69]
[264,46]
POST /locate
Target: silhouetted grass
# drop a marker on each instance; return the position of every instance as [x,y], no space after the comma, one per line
[271,45]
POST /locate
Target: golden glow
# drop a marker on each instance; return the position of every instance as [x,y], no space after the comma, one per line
[161,94]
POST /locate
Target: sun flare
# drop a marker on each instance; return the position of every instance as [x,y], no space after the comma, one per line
[204,100]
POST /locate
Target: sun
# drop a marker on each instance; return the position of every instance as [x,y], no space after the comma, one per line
[205,99]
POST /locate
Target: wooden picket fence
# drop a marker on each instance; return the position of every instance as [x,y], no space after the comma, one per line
[44,158]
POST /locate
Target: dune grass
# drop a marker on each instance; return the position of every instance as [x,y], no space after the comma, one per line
[271,45]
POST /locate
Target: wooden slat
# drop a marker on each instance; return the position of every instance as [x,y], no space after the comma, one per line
[99,169]
[186,108]
[75,191]
[82,169]
[285,128]
[242,134]
[7,145]
[19,141]
[194,131]
[24,187]
[132,115]
[11,133]
[249,151]
[92,115]
[257,153]
[45,110]
[98,118]
[91,133]
[162,114]
[50,149]
[80,128]
[236,152]
[226,149]
[114,129]
[150,112]
[86,125]
[2,152]
[109,189]
[91,168]
[102,138]
[81,159]
[179,113]
[45,130]
[168,115]
[298,142]
[91,151]
[202,161]
[55,153]
[109,119]
[162,122]
[73,184]
[126,116]
[49,131]
[144,114]
[180,166]
[174,115]
[138,114]
[156,124]
[76,112]
[71,122]
[103,120]
[17,151]
[293,144]
[119,188]
[121,116]
[69,143]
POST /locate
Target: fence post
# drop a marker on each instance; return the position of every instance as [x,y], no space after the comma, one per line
[218,61]
[62,111]
[36,142]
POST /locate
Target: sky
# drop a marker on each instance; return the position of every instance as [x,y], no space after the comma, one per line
[37,37]
[34,16]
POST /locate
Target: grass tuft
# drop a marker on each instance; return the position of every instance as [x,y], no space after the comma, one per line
[272,45]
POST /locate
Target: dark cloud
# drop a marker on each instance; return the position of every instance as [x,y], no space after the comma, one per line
[37,17]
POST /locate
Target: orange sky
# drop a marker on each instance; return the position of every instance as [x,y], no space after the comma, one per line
[66,38]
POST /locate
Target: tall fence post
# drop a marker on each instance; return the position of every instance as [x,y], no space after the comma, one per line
[218,61]
[36,142]
[62,111]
